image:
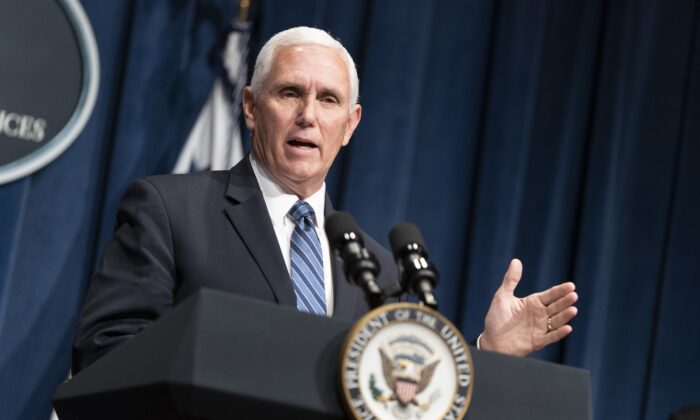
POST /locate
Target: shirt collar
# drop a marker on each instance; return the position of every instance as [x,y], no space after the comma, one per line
[279,202]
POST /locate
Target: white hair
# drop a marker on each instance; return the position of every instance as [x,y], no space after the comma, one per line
[301,35]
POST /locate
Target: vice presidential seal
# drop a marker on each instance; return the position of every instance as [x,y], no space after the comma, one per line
[405,361]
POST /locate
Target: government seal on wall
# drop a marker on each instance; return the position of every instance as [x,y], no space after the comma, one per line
[406,361]
[49,79]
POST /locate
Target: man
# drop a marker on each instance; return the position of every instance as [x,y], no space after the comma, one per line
[257,230]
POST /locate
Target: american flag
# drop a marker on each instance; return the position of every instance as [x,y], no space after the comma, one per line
[215,140]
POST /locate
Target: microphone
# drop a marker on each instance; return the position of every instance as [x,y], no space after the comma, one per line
[360,266]
[417,272]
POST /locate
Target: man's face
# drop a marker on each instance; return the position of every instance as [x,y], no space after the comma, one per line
[302,117]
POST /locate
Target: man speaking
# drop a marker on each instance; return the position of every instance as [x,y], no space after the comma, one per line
[258,229]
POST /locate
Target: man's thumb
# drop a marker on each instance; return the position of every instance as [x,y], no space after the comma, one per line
[513,275]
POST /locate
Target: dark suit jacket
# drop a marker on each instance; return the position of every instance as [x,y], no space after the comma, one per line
[178,233]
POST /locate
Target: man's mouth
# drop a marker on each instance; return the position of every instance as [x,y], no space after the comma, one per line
[301,143]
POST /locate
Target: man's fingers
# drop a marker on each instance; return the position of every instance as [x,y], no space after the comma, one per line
[556,335]
[557,292]
[563,318]
[561,304]
[513,275]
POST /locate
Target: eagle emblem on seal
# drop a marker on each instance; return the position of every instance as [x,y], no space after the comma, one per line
[407,367]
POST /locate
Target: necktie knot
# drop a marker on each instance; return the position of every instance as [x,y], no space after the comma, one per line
[301,210]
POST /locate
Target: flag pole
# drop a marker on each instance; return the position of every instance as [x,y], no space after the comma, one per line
[243,8]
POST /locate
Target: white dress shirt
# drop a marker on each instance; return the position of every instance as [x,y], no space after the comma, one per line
[278,205]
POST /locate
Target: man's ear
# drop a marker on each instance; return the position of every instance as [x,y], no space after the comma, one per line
[353,121]
[249,107]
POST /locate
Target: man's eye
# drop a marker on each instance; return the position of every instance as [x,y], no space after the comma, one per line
[329,99]
[288,93]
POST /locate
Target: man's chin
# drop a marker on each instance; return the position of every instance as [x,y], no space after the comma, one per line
[303,182]
[301,172]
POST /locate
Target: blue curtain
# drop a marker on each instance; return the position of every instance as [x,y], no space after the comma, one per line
[564,133]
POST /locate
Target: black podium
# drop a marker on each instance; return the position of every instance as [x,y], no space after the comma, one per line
[220,356]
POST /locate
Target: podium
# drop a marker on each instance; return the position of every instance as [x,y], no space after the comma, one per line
[220,356]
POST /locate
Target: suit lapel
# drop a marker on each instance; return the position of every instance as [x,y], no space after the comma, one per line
[247,212]
[345,295]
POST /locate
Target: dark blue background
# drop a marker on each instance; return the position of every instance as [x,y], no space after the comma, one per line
[564,133]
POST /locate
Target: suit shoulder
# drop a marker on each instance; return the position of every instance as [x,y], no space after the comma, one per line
[185,180]
[191,184]
[179,188]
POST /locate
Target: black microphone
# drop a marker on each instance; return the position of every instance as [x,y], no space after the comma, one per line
[360,266]
[418,274]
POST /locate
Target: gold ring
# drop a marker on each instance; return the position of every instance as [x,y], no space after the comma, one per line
[549,324]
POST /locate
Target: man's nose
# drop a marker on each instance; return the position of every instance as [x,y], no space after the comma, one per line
[307,112]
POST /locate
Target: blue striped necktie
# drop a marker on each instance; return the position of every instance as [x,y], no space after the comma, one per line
[307,261]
